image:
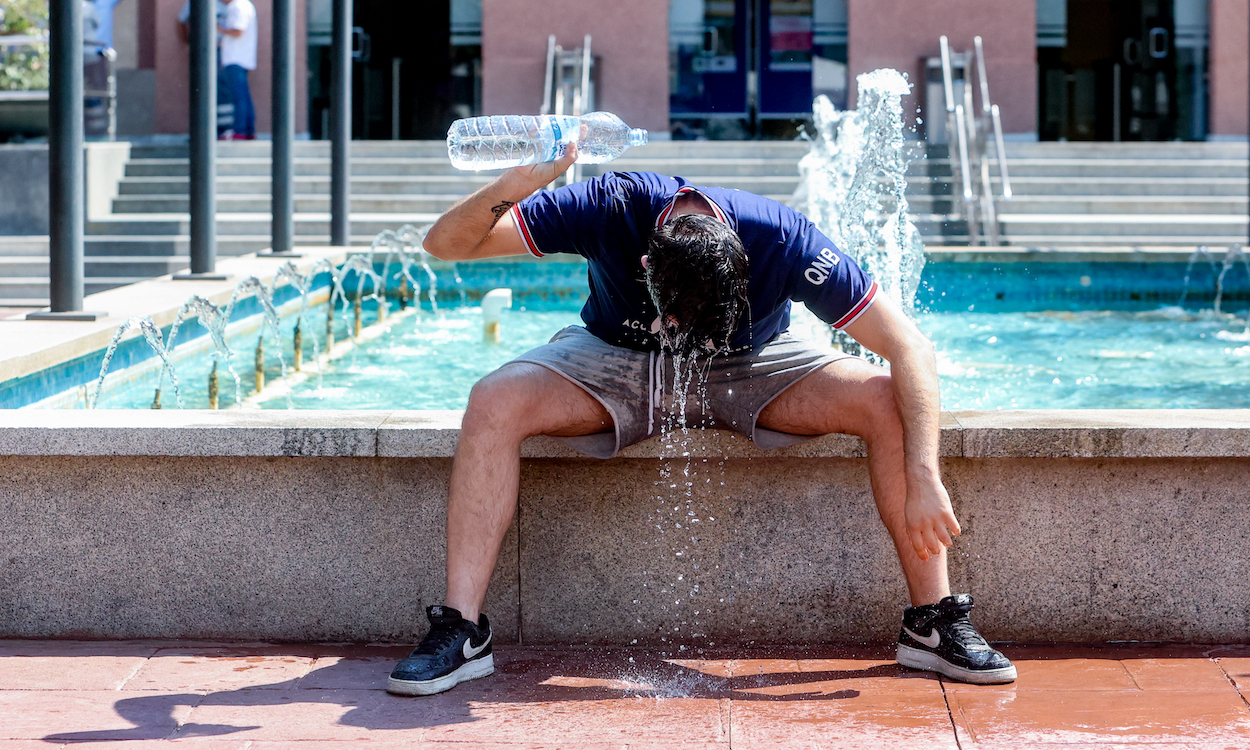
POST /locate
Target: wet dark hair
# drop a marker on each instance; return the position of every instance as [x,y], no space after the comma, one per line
[697,276]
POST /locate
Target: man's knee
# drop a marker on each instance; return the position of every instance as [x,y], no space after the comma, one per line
[502,400]
[881,407]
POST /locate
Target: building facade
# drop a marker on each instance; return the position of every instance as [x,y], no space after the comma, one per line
[1059,69]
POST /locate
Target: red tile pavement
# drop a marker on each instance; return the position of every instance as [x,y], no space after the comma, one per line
[264,697]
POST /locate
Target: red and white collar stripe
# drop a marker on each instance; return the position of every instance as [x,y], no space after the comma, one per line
[668,209]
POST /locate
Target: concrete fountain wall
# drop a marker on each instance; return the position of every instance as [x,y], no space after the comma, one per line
[1079,526]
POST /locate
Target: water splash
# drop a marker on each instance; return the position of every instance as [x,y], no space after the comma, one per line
[1234,254]
[271,318]
[152,335]
[1219,269]
[302,284]
[214,320]
[853,185]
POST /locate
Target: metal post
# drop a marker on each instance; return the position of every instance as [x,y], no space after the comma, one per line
[341,124]
[65,158]
[66,188]
[283,116]
[202,111]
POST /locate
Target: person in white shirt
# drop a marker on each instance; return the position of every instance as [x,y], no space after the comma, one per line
[104,16]
[225,105]
[239,37]
[184,21]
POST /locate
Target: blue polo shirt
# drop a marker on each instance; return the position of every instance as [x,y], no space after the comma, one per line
[609,219]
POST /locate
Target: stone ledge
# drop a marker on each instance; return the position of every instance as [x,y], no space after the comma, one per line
[1106,433]
[1179,433]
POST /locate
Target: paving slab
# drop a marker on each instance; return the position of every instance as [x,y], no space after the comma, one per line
[851,720]
[266,696]
[1100,716]
[90,715]
[38,665]
[222,668]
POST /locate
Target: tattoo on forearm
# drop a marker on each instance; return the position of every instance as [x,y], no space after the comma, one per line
[499,211]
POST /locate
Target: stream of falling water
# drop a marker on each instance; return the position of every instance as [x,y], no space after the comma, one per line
[853,189]
[687,492]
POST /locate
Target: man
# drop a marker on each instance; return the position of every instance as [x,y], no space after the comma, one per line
[239,38]
[691,272]
[104,15]
[183,20]
[225,107]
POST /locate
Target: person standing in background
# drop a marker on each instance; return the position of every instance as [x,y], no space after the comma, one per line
[238,56]
[104,16]
[225,108]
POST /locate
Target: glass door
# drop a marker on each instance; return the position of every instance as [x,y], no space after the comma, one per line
[785,35]
[1144,78]
[708,58]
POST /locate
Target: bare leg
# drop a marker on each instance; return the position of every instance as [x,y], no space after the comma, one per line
[853,397]
[515,402]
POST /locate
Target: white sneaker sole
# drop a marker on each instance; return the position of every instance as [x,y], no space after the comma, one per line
[931,662]
[467,671]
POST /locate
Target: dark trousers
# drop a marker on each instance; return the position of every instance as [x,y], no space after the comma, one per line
[235,78]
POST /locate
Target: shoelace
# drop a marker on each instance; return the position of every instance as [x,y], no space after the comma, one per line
[437,641]
[965,633]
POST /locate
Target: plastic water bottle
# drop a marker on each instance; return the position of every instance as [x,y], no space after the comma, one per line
[503,141]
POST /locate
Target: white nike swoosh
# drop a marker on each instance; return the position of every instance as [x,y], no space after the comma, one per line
[470,652]
[932,640]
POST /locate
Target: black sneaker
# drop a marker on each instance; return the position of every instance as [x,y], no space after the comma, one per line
[940,638]
[455,650]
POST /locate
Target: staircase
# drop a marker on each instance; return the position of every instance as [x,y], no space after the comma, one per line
[1100,194]
[1066,194]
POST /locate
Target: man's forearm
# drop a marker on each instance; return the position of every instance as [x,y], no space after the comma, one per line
[462,228]
[914,376]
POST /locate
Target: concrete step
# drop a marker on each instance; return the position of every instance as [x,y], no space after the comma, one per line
[23,266]
[1144,169]
[33,291]
[23,246]
[145,266]
[417,184]
[711,169]
[302,149]
[243,203]
[1182,243]
[438,148]
[167,245]
[1126,150]
[257,223]
[1127,186]
[13,289]
[319,184]
[1033,204]
[1116,228]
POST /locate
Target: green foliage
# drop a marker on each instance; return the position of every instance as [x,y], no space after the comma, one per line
[24,68]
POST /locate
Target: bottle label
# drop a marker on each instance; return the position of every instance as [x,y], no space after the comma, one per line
[557,149]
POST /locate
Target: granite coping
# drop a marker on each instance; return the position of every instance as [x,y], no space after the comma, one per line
[1146,433]
[1061,254]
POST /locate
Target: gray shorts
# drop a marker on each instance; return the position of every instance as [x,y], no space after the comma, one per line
[637,389]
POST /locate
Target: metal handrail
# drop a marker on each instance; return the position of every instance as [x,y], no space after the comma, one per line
[973,130]
[992,110]
[547,80]
[569,94]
